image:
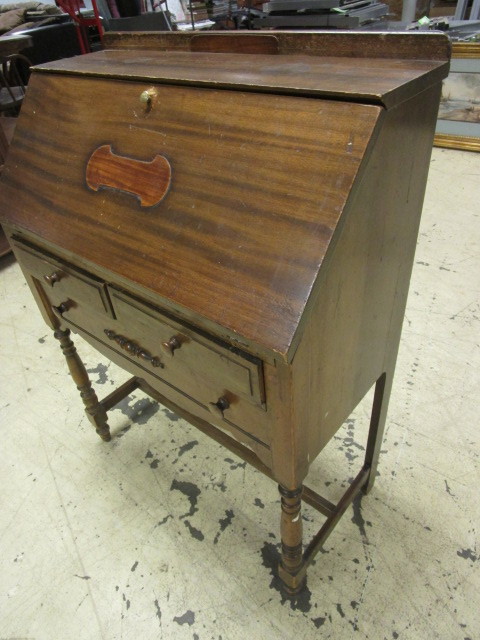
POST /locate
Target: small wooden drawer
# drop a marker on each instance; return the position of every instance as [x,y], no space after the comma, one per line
[67,289]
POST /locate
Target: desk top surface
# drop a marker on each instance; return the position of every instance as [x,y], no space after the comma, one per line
[374,80]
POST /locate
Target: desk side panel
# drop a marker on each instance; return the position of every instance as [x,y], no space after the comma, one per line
[353,332]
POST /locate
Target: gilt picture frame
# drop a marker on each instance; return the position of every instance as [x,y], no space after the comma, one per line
[458,124]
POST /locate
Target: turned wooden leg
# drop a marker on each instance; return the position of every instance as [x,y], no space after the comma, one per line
[94,410]
[292,567]
[377,427]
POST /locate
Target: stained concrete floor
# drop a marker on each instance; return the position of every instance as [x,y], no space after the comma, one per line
[163,534]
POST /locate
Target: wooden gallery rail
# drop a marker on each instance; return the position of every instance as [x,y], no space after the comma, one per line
[236,228]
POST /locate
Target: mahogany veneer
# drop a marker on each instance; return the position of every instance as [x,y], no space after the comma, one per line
[236,227]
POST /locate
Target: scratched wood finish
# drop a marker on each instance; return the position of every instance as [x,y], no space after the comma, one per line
[349,340]
[252,181]
[240,375]
[234,44]
[202,369]
[148,181]
[349,44]
[375,80]
[289,228]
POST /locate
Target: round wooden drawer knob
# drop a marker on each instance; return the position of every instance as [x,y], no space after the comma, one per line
[62,308]
[171,345]
[218,407]
[53,278]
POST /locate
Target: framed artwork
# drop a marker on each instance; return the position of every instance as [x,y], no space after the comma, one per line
[458,124]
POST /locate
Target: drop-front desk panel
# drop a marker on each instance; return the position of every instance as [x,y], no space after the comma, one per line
[236,230]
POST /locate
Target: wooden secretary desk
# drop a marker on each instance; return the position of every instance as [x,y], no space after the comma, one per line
[232,219]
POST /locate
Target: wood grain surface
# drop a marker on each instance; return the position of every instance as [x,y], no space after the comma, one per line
[377,80]
[289,228]
[147,180]
[234,43]
[258,185]
[350,44]
[350,339]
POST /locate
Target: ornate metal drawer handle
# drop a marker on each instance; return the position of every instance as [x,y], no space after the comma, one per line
[133,348]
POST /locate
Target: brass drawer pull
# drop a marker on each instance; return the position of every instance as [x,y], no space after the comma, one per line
[171,345]
[133,348]
[218,407]
[62,308]
[53,278]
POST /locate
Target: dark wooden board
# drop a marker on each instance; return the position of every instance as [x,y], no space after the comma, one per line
[258,185]
[234,43]
[350,44]
[373,80]
[358,306]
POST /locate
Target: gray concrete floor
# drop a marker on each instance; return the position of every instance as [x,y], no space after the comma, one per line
[162,534]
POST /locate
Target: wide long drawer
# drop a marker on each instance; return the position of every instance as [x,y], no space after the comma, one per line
[222,379]
[246,422]
[218,383]
[189,358]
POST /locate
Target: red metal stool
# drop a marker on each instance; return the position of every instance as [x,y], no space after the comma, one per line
[72,7]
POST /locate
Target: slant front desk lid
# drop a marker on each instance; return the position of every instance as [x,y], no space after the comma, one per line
[222,202]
